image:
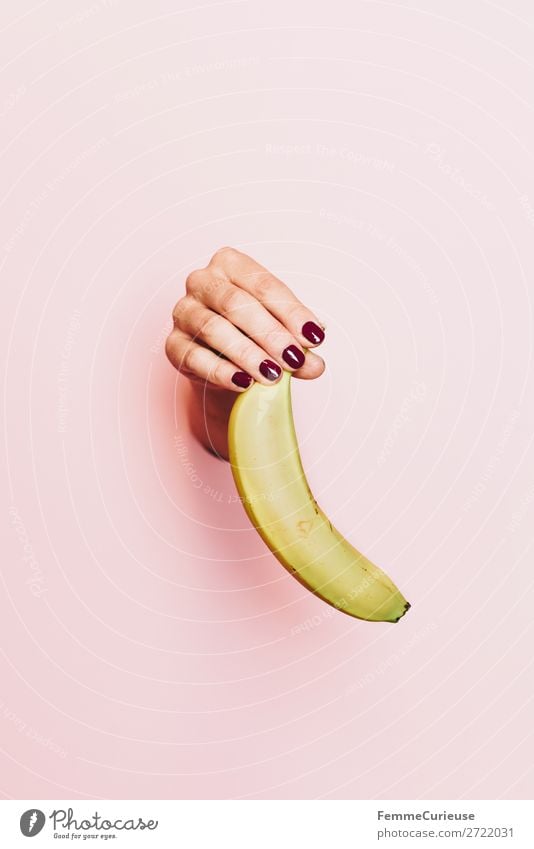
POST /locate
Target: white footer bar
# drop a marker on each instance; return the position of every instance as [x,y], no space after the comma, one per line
[266,824]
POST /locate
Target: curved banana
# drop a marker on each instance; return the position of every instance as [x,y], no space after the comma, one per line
[270,479]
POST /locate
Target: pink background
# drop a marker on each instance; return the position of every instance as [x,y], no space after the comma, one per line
[375,156]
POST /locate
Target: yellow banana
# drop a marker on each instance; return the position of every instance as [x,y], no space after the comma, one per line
[270,479]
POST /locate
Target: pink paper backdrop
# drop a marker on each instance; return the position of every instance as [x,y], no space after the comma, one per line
[374,155]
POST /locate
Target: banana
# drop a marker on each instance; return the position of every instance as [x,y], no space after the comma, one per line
[268,473]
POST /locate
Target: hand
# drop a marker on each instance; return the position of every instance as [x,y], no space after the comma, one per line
[236,308]
[237,324]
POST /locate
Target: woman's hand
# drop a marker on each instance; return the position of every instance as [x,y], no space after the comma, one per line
[237,308]
[237,324]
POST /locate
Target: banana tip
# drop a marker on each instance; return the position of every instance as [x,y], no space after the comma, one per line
[406,609]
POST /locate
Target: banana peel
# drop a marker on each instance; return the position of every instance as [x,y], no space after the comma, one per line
[271,482]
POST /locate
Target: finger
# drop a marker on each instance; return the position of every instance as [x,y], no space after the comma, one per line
[312,368]
[218,333]
[241,310]
[200,364]
[275,296]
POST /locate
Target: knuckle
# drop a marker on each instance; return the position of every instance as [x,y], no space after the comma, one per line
[211,287]
[179,310]
[263,285]
[224,254]
[244,352]
[230,300]
[219,372]
[193,281]
[209,326]
[276,338]
[295,314]
[189,360]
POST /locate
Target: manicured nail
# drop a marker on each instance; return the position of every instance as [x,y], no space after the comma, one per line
[293,356]
[270,370]
[241,379]
[313,332]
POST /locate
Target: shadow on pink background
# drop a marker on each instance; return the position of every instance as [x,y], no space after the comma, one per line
[375,157]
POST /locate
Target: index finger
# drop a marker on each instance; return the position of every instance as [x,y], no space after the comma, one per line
[276,297]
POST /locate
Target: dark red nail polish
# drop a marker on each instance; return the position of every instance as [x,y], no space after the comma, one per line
[270,370]
[312,332]
[293,356]
[241,379]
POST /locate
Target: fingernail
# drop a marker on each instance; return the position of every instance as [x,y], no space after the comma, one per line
[293,356]
[312,332]
[270,370]
[241,379]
